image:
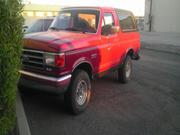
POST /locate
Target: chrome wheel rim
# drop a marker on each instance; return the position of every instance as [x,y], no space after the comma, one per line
[128,69]
[81,92]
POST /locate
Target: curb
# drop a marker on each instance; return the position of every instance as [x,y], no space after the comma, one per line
[167,48]
[22,124]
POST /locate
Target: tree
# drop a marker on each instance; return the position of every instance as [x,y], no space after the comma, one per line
[11,23]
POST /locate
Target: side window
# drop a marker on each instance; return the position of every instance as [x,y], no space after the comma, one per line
[108,22]
[103,23]
[108,19]
[126,21]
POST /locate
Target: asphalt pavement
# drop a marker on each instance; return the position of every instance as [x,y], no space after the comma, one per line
[161,41]
[148,105]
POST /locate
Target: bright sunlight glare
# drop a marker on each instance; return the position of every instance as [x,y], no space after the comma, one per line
[136,6]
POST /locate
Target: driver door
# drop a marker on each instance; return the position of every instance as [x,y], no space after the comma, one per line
[110,41]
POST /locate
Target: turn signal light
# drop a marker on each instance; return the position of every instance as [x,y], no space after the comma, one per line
[60,60]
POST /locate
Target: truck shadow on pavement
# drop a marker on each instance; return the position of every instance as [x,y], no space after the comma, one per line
[149,104]
[43,101]
[48,102]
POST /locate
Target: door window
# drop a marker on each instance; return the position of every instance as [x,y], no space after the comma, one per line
[108,19]
[108,22]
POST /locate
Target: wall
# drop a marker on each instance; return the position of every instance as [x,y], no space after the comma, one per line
[165,16]
[32,12]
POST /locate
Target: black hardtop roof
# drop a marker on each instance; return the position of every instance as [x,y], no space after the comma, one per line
[93,7]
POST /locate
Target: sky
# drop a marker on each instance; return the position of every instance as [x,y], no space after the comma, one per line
[136,6]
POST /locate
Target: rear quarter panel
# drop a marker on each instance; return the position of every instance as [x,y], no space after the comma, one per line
[130,40]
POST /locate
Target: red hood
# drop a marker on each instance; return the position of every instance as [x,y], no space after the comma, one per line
[54,41]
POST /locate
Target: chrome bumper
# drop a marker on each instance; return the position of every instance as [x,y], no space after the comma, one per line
[45,77]
[46,83]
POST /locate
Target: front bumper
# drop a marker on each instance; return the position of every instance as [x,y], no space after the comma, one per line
[44,83]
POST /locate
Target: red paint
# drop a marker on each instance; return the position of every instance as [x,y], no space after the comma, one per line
[100,52]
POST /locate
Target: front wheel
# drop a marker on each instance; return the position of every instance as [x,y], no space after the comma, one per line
[78,95]
[125,72]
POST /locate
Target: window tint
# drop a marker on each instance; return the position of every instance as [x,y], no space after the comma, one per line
[90,19]
[47,23]
[126,21]
[39,25]
[63,20]
[77,20]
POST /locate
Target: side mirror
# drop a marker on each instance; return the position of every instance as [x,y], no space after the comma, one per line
[115,29]
[108,29]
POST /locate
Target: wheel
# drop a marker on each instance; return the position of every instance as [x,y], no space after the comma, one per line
[78,95]
[125,72]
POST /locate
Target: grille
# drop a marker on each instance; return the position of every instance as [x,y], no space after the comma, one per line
[32,59]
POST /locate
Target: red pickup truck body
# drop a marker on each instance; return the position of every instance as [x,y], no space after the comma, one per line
[93,52]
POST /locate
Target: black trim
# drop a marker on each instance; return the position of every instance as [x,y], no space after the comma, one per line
[118,11]
[99,75]
[136,57]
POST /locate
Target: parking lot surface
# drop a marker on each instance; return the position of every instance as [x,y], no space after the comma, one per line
[148,105]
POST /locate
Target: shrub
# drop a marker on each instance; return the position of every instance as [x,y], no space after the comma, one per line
[11,22]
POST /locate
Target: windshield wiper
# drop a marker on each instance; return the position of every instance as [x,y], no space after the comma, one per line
[53,28]
[74,29]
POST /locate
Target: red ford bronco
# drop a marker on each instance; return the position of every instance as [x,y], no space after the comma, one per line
[82,43]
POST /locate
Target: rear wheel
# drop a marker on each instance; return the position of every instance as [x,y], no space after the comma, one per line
[125,72]
[78,95]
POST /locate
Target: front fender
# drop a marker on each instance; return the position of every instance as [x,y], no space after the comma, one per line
[81,61]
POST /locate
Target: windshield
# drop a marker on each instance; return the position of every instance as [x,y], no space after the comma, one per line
[40,25]
[77,20]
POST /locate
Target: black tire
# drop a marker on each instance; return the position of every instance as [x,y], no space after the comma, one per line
[123,75]
[80,77]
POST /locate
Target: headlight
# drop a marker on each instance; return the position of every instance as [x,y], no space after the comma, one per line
[55,59]
[49,59]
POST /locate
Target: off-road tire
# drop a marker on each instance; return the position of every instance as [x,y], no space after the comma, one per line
[125,76]
[71,95]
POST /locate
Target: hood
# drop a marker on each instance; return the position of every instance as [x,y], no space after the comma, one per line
[51,41]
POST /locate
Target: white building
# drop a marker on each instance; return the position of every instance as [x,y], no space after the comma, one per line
[32,12]
[162,16]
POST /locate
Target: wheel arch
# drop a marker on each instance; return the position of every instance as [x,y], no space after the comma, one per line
[130,52]
[86,66]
